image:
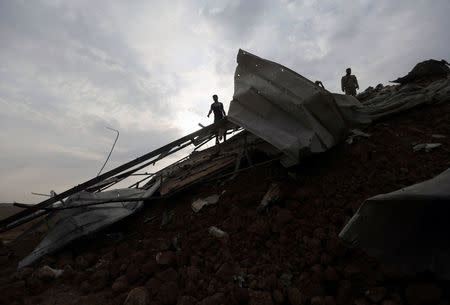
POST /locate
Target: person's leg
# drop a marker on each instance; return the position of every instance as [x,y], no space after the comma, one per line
[216,130]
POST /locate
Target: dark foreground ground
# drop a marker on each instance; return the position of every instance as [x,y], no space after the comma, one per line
[289,255]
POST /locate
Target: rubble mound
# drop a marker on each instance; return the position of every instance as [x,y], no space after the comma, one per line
[271,234]
[372,92]
[287,254]
[426,71]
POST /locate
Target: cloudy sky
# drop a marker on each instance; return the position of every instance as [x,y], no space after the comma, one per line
[68,69]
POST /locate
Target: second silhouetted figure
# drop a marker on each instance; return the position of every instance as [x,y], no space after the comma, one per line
[349,83]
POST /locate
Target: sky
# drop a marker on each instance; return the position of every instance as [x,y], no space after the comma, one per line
[69,69]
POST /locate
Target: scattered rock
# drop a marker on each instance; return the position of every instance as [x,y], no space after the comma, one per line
[376,294]
[278,296]
[35,285]
[427,147]
[85,287]
[164,244]
[123,250]
[330,274]
[326,259]
[23,273]
[44,274]
[226,272]
[195,261]
[216,299]
[138,296]
[323,300]
[192,273]
[99,280]
[389,302]
[344,292]
[147,244]
[296,297]
[283,217]
[272,195]
[181,259]
[152,286]
[68,273]
[132,273]
[292,204]
[351,271]
[260,298]
[90,258]
[240,295]
[120,285]
[259,227]
[165,258]
[186,300]
[81,263]
[361,301]
[150,268]
[168,275]
[12,291]
[168,293]
[139,258]
[198,204]
[286,279]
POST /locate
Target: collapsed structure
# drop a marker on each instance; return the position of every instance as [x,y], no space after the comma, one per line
[284,116]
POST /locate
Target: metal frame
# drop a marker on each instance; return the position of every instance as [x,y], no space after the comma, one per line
[118,173]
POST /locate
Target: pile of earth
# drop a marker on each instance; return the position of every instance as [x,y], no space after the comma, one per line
[419,78]
[288,254]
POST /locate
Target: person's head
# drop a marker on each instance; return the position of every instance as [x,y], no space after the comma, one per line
[215,98]
[348,71]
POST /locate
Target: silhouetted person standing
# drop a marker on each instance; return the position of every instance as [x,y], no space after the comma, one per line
[349,83]
[219,114]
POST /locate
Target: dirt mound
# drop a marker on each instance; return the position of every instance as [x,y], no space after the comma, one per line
[426,71]
[287,254]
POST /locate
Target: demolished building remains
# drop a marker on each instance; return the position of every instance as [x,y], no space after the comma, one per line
[282,115]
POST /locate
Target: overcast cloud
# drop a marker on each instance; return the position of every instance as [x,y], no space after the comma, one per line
[68,69]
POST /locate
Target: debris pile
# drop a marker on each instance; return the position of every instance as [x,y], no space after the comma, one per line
[426,72]
[259,236]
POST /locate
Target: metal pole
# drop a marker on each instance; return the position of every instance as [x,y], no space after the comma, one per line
[110,152]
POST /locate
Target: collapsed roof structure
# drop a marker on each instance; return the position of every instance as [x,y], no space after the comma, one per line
[283,114]
[296,116]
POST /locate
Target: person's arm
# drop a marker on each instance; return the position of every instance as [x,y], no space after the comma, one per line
[342,84]
[210,110]
[356,81]
[223,111]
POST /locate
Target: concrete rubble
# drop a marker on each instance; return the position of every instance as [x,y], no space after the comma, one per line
[325,241]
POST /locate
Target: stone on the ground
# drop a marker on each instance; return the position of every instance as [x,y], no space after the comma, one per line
[168,293]
[166,258]
[216,299]
[376,294]
[186,300]
[137,296]
[260,298]
[296,297]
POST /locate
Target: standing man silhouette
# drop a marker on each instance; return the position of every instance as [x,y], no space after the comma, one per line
[219,114]
[349,83]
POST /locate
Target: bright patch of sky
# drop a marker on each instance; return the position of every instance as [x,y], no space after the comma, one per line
[149,68]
